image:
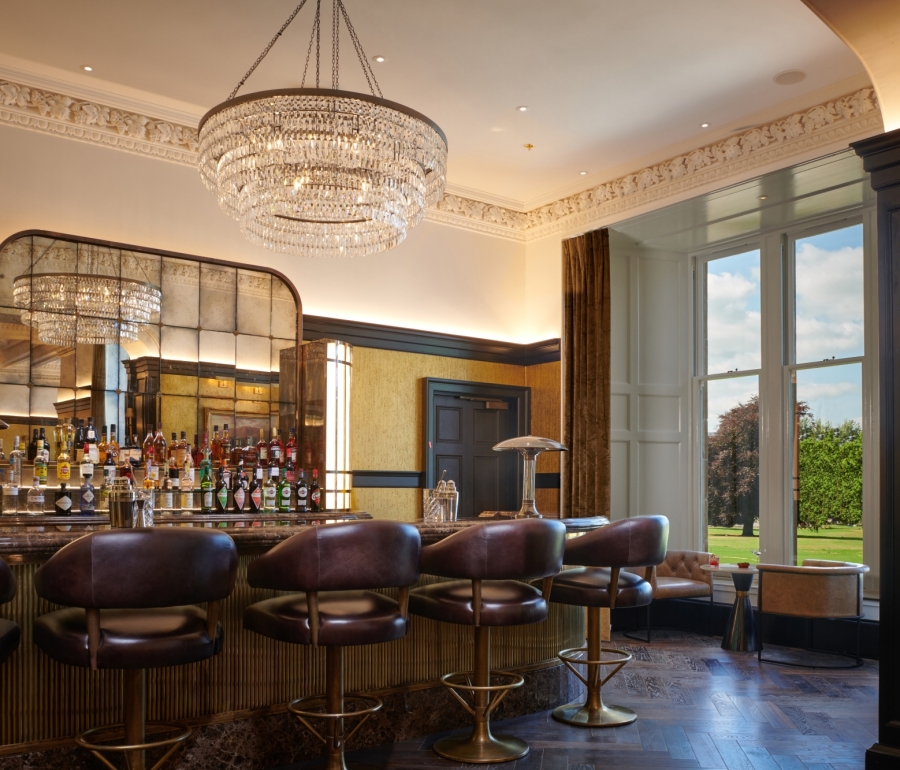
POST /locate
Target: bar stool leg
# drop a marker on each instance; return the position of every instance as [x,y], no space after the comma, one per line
[134,695]
[482,747]
[334,704]
[593,712]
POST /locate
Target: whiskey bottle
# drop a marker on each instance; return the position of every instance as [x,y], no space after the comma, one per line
[90,440]
[182,450]
[160,455]
[197,452]
[2,453]
[276,449]
[101,447]
[250,456]
[170,492]
[262,450]
[315,494]
[226,444]
[172,458]
[216,445]
[302,493]
[147,448]
[112,446]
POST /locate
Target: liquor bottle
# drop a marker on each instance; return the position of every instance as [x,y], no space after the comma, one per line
[137,452]
[237,453]
[239,490]
[10,494]
[289,469]
[216,446]
[63,465]
[170,491]
[205,462]
[90,440]
[207,494]
[127,472]
[221,492]
[197,452]
[172,457]
[159,448]
[86,467]
[270,491]
[70,438]
[262,449]
[149,472]
[182,450]
[63,506]
[101,446]
[112,447]
[302,493]
[79,440]
[147,448]
[250,455]
[290,448]
[41,460]
[87,496]
[187,488]
[2,453]
[58,433]
[276,449]
[284,493]
[14,477]
[315,494]
[32,447]
[226,444]
[109,473]
[36,498]
[254,491]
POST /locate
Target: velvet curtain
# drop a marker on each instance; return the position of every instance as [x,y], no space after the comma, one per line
[586,377]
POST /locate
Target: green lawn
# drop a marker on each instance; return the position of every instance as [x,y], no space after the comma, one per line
[836,543]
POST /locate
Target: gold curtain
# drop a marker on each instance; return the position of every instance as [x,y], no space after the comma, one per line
[586,358]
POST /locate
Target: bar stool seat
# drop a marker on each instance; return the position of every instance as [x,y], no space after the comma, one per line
[503,603]
[145,638]
[590,587]
[346,618]
[9,631]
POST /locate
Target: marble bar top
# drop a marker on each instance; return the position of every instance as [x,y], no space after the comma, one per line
[30,544]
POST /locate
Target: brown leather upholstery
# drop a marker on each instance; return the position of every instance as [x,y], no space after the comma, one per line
[334,564]
[638,542]
[817,589]
[501,554]
[679,576]
[140,585]
[9,631]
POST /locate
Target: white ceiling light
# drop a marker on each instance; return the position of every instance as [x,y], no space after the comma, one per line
[583,173]
[322,172]
[87,68]
[379,59]
[704,125]
[522,108]
[789,77]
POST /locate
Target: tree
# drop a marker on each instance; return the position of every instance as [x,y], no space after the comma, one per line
[732,468]
[830,473]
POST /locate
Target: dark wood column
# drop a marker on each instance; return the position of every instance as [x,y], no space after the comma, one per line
[881,158]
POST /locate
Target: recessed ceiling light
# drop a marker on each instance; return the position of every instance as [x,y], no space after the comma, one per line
[379,59]
[522,107]
[763,197]
[704,125]
[87,68]
[789,77]
[583,173]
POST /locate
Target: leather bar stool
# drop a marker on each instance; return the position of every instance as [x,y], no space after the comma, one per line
[601,581]
[130,596]
[335,567]
[9,631]
[488,562]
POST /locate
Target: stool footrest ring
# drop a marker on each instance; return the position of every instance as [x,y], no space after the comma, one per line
[85,741]
[517,681]
[312,701]
[569,657]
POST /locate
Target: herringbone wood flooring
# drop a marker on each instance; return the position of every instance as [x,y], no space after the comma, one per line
[699,707]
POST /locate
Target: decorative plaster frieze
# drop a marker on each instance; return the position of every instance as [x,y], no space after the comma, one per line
[844,119]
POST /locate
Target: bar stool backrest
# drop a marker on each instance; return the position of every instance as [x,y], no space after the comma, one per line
[140,569]
[7,583]
[524,549]
[637,542]
[341,557]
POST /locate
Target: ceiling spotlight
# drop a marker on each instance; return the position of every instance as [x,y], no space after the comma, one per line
[583,173]
[522,107]
[704,125]
[87,68]
[763,197]
[379,59]
[789,77]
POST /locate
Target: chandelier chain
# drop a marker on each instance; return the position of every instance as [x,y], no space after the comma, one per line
[312,37]
[267,49]
[335,46]
[360,53]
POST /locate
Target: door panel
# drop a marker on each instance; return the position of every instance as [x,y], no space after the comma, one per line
[449,424]
[487,426]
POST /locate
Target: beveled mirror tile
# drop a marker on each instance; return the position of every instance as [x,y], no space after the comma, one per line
[94,259]
[178,381]
[16,260]
[15,400]
[42,401]
[284,311]
[51,255]
[180,304]
[284,352]
[179,344]
[179,413]
[217,300]
[254,303]
[217,347]
[253,353]
[146,268]
[216,386]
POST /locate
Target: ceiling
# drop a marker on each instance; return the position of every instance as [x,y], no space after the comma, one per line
[609,84]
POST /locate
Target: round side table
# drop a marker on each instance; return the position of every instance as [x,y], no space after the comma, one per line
[741,634]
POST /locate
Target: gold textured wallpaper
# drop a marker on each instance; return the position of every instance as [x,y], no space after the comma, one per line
[387,410]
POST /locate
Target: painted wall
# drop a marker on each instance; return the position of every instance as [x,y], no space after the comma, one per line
[440,279]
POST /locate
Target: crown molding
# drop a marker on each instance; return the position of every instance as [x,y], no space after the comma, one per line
[838,121]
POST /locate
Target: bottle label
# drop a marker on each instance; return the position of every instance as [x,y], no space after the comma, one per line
[302,492]
[79,455]
[293,454]
[289,475]
[315,497]
[189,475]
[256,497]
[94,453]
[109,473]
[87,469]
[263,453]
[64,503]
[222,496]
[259,473]
[167,500]
[239,495]
[87,496]
[271,495]
[154,472]
[63,470]
[208,499]
[227,477]
[187,500]
[273,472]
[285,495]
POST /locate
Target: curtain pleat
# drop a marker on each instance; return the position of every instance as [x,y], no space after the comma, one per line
[586,377]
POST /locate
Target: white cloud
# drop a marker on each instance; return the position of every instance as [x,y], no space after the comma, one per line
[732,333]
[723,395]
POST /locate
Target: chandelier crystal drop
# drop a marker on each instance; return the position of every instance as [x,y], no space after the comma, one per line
[322,172]
[90,309]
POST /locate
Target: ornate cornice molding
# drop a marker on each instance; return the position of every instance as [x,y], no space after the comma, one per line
[844,119]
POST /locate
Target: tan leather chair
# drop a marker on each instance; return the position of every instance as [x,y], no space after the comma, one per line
[830,590]
[680,577]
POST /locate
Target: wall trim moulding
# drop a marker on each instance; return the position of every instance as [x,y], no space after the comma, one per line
[848,118]
[367,335]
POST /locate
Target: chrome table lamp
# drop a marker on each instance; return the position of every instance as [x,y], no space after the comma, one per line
[529,447]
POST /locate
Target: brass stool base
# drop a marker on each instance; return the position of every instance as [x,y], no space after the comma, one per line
[85,740]
[497,748]
[579,714]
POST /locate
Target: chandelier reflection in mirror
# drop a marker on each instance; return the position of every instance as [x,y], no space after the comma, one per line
[87,307]
[322,172]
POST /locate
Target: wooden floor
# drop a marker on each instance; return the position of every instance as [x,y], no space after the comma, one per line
[698,706]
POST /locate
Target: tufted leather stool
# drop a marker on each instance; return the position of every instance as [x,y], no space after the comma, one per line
[130,596]
[9,631]
[601,581]
[489,561]
[335,566]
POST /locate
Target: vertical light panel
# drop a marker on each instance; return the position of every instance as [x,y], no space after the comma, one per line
[338,368]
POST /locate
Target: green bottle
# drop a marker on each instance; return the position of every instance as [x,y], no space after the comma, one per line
[206,486]
[284,493]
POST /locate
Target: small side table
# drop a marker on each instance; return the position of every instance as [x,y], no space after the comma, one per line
[741,634]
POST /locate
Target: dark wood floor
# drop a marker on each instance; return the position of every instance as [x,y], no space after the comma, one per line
[698,707]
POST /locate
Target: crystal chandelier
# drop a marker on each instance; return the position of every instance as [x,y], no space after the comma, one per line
[322,172]
[89,309]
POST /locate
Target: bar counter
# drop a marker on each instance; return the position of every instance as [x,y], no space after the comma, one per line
[241,693]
